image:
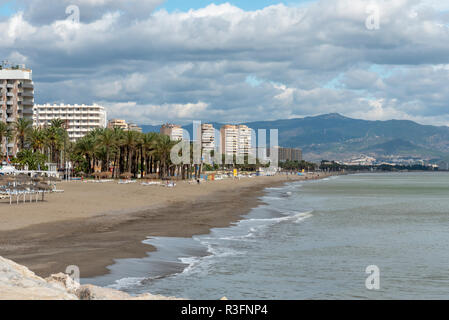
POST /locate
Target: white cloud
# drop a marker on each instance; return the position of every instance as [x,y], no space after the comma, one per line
[155,114]
[227,64]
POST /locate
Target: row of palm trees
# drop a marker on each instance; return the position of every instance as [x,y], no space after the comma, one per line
[46,143]
[114,151]
[126,153]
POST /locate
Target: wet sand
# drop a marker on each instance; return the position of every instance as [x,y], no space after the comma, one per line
[91,224]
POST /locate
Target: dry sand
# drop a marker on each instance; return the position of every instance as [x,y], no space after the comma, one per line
[91,224]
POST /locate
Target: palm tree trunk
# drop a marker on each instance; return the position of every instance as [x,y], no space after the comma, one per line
[142,162]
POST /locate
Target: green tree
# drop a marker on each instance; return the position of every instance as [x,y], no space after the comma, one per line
[106,139]
[5,134]
[22,128]
[34,160]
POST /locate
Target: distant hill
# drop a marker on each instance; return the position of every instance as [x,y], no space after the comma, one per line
[333,136]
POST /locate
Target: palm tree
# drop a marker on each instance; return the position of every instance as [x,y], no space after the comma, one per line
[57,123]
[119,147]
[37,139]
[164,146]
[5,132]
[130,141]
[107,140]
[86,147]
[22,128]
[149,141]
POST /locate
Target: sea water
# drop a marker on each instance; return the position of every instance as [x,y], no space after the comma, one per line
[311,240]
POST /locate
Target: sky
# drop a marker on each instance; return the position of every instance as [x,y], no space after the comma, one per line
[155,61]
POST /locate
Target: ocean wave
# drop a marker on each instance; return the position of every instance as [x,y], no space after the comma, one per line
[271,198]
[297,217]
[275,188]
[126,283]
[218,249]
[197,265]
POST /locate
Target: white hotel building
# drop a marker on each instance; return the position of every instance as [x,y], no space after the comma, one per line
[79,119]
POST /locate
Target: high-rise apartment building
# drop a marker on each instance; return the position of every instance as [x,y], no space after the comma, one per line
[175,132]
[287,154]
[16,99]
[207,138]
[79,119]
[229,135]
[236,140]
[245,140]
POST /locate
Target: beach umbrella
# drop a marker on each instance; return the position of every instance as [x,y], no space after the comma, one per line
[43,187]
[106,175]
[127,175]
[8,179]
[54,179]
[23,178]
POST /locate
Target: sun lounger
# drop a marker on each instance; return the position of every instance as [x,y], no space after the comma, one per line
[150,183]
[127,181]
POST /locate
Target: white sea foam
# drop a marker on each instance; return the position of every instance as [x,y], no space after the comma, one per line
[125,283]
[272,198]
[191,262]
[228,242]
[297,217]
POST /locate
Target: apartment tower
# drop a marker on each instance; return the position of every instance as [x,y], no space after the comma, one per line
[245,140]
[16,99]
[229,135]
[207,138]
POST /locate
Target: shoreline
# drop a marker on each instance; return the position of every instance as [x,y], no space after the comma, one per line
[93,243]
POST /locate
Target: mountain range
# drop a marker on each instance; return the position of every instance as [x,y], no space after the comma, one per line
[336,137]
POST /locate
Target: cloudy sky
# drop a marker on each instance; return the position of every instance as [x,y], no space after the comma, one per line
[151,61]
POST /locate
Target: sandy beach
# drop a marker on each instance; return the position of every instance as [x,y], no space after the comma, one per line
[91,224]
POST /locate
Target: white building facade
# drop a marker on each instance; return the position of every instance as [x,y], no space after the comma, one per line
[79,119]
